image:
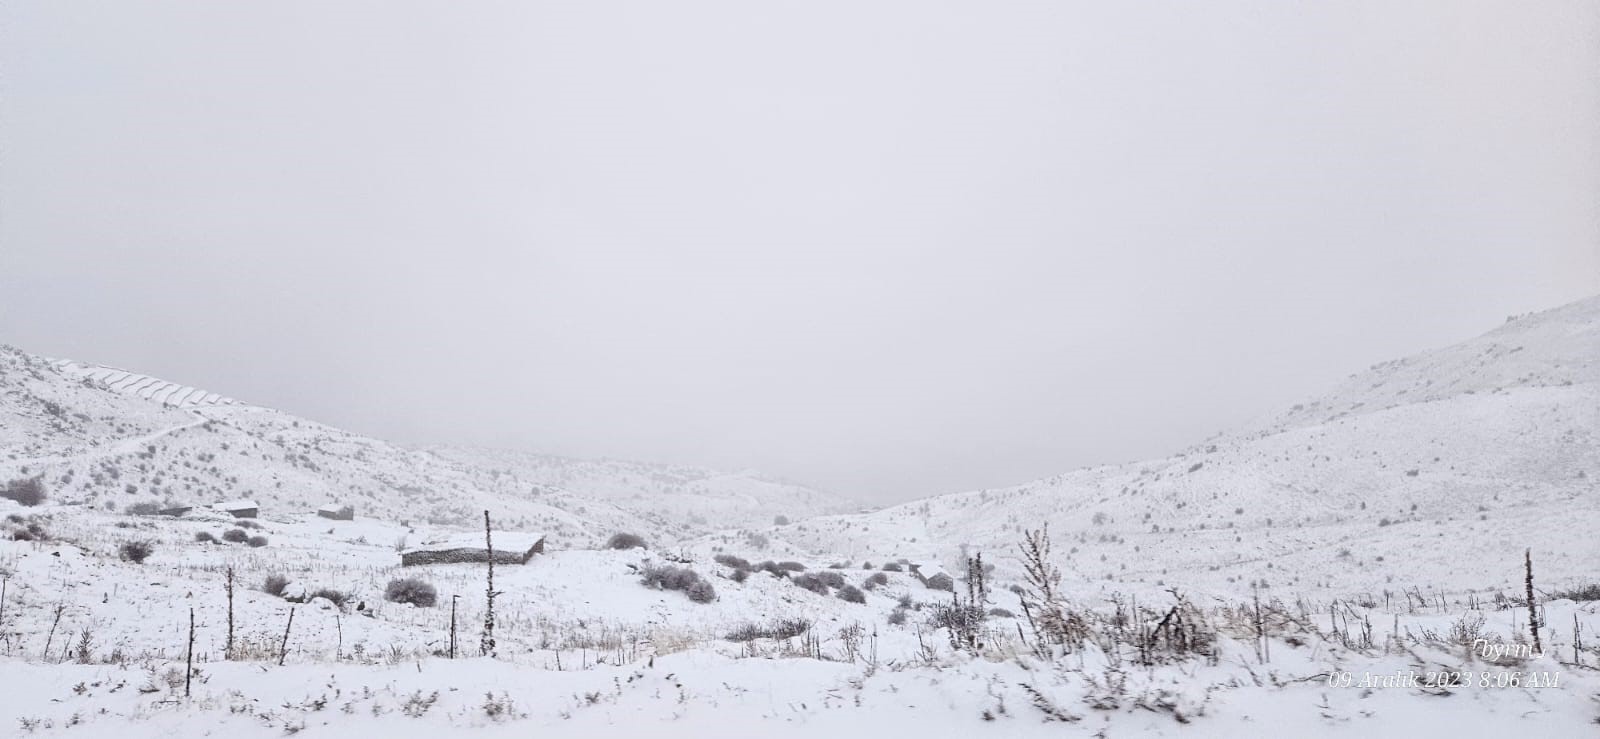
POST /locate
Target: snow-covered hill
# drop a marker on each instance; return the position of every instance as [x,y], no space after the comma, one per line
[1422,472]
[108,441]
[690,497]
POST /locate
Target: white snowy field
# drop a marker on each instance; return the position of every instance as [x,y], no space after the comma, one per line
[1382,530]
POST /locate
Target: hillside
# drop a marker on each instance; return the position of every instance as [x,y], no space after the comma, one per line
[109,439]
[1426,472]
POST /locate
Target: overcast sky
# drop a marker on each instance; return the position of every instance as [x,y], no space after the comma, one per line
[888,248]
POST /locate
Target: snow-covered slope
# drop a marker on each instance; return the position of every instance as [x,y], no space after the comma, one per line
[105,441]
[690,497]
[1432,470]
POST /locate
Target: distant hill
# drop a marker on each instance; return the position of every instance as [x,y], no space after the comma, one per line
[111,438]
[1436,469]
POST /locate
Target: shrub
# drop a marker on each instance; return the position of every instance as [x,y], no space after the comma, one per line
[257,541]
[852,594]
[781,629]
[274,585]
[235,536]
[702,592]
[791,567]
[135,551]
[832,579]
[1582,593]
[1001,613]
[337,597]
[780,520]
[205,537]
[770,567]
[810,582]
[897,617]
[413,590]
[146,508]
[891,567]
[739,575]
[759,541]
[625,541]
[245,523]
[27,491]
[738,563]
[668,577]
[874,580]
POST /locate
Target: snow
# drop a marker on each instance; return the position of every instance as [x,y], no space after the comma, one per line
[1382,526]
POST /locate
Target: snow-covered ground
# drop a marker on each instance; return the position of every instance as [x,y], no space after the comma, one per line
[1382,529]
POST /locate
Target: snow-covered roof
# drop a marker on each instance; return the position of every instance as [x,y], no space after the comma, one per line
[235,505]
[929,570]
[507,541]
[331,508]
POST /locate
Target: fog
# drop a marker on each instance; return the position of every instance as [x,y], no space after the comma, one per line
[889,249]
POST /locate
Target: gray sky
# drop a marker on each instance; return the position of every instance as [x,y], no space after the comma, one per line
[888,248]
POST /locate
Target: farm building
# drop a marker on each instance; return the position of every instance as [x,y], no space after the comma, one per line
[338,513]
[933,575]
[239,508]
[509,549]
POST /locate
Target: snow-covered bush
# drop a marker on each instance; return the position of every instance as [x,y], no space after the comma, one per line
[413,590]
[738,563]
[781,629]
[791,566]
[892,567]
[143,508]
[274,585]
[702,592]
[28,491]
[205,537]
[874,580]
[624,540]
[235,536]
[257,541]
[811,582]
[337,597]
[852,594]
[897,617]
[668,577]
[135,551]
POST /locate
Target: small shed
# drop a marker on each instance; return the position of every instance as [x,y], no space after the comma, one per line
[510,548]
[338,513]
[933,575]
[239,508]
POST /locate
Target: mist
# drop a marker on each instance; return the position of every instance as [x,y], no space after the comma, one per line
[943,246]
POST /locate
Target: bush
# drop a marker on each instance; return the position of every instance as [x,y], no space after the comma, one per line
[245,523]
[739,575]
[205,537]
[897,617]
[135,551]
[1583,593]
[626,541]
[852,594]
[668,577]
[781,629]
[832,579]
[1001,613]
[810,582]
[780,520]
[770,567]
[257,541]
[146,508]
[891,567]
[27,491]
[759,541]
[738,563]
[791,567]
[876,579]
[337,597]
[702,592]
[235,536]
[413,590]
[274,585]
